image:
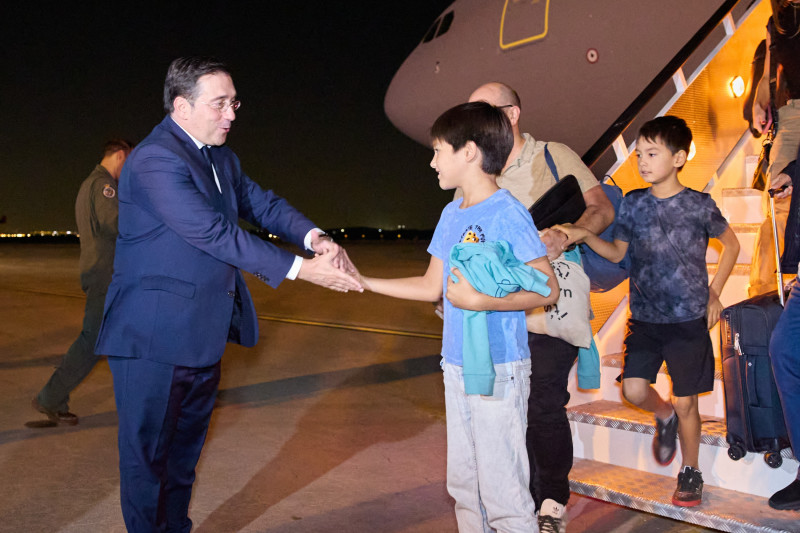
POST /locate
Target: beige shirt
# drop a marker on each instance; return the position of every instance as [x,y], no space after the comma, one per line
[527,178]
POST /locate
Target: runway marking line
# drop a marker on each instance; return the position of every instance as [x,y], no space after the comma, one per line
[334,325]
[350,327]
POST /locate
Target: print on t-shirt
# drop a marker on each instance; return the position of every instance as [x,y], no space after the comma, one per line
[473,233]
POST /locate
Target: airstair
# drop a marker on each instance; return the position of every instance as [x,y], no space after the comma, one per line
[612,440]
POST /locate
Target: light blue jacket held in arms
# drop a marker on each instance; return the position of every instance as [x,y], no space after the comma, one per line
[491,268]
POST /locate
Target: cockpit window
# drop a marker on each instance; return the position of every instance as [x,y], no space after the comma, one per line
[447,20]
[431,32]
[442,25]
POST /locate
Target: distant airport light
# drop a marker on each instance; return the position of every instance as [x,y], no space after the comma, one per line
[692,152]
[737,86]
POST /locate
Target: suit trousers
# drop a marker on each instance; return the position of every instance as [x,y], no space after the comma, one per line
[164,412]
[80,357]
[549,437]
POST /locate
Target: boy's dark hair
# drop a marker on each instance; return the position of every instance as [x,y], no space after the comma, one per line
[481,123]
[671,131]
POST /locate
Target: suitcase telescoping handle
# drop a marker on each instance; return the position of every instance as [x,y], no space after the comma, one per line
[778,273]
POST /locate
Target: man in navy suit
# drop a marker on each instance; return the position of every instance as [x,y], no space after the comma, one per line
[177,295]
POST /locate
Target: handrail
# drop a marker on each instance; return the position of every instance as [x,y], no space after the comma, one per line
[661,79]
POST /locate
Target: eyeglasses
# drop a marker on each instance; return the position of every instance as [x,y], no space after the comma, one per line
[223,106]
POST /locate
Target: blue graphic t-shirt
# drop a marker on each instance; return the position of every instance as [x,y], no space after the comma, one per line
[499,217]
[668,238]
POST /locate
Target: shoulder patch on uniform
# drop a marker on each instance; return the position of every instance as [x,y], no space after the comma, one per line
[109,191]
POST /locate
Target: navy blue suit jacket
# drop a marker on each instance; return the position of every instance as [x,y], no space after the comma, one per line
[177,294]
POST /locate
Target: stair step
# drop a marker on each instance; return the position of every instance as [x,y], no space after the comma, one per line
[742,206]
[745,228]
[618,434]
[739,269]
[722,509]
[746,234]
[617,415]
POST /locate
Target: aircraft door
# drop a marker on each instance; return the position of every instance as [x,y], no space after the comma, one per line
[523,22]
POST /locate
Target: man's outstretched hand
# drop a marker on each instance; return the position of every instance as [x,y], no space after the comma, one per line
[330,269]
[322,244]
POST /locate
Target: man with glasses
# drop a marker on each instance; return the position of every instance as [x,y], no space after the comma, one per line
[96,209]
[527,177]
[178,295]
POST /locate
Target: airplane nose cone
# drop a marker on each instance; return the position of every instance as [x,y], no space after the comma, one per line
[405,105]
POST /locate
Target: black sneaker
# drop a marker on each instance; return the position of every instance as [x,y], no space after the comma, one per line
[690,488]
[788,498]
[664,440]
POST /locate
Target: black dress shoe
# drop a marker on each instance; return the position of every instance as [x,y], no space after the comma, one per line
[787,499]
[59,417]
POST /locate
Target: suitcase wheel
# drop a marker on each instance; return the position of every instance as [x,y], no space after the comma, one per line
[773,459]
[737,451]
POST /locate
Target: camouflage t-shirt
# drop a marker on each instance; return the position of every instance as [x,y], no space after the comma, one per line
[668,240]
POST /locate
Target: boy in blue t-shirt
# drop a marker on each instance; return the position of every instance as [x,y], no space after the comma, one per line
[666,228]
[487,463]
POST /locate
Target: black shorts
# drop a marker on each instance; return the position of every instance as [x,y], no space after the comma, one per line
[685,346]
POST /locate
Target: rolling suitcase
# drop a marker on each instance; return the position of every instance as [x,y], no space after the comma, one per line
[753,410]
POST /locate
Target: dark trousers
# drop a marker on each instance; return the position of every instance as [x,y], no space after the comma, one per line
[79,359]
[549,438]
[164,412]
[785,354]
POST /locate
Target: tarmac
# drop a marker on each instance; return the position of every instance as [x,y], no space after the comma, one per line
[334,422]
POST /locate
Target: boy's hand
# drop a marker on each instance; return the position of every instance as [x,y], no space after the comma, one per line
[323,244]
[714,309]
[364,280]
[575,234]
[342,262]
[321,271]
[461,294]
[555,242]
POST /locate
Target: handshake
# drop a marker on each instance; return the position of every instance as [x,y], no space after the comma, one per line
[330,267]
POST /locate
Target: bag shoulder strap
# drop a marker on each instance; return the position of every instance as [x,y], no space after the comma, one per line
[772,76]
[550,163]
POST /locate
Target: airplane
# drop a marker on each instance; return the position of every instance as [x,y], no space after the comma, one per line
[588,74]
[582,68]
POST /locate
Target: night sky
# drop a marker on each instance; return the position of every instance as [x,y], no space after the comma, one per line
[311,77]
